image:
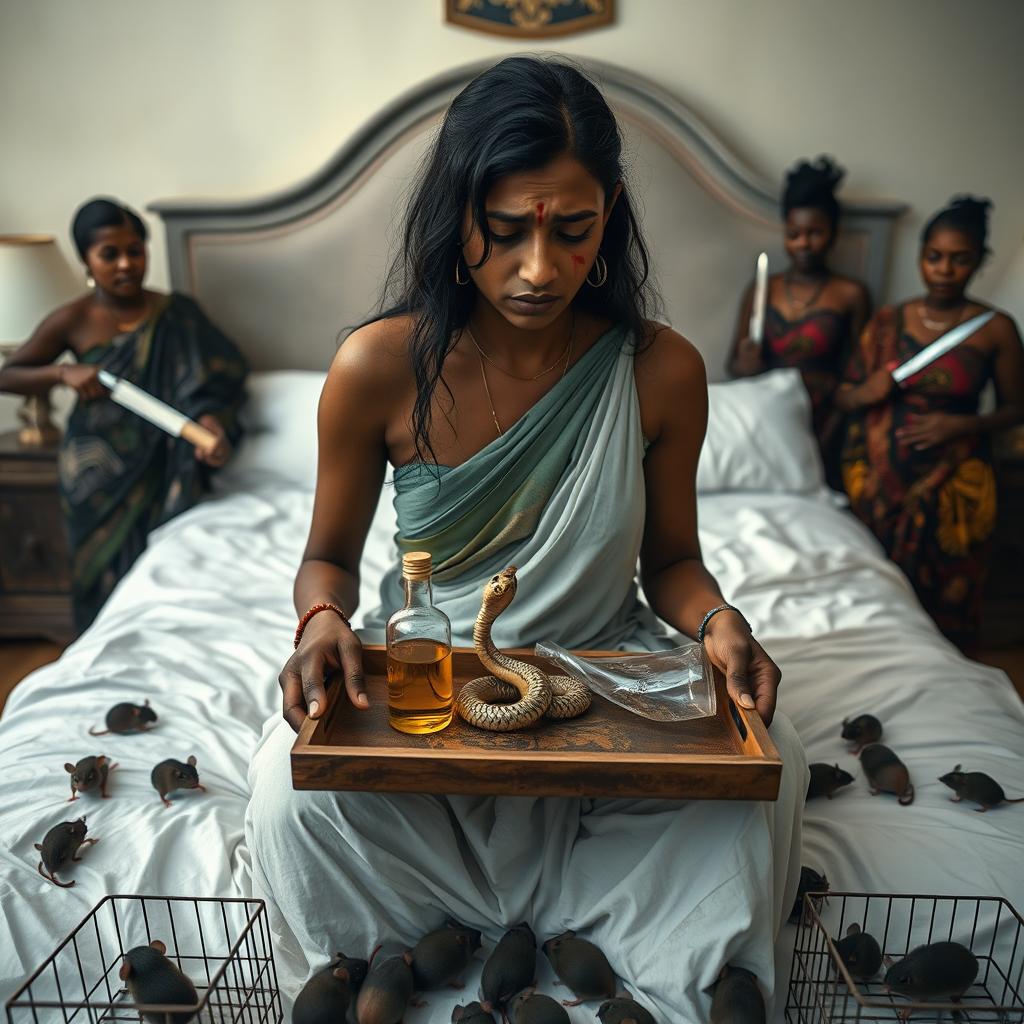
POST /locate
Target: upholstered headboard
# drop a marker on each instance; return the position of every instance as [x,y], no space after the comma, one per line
[283,274]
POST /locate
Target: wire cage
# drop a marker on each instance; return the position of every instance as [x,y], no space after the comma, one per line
[222,945]
[822,991]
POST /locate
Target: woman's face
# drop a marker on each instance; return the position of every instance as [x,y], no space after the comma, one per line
[808,237]
[948,261]
[116,259]
[546,228]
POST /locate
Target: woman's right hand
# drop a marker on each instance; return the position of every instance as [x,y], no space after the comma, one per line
[749,359]
[876,388]
[328,646]
[84,379]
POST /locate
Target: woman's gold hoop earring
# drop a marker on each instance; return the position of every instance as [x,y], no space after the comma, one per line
[602,272]
[458,280]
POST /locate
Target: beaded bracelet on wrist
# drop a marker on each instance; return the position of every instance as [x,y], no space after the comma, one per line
[702,628]
[322,607]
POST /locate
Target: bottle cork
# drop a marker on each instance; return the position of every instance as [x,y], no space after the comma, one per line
[416,565]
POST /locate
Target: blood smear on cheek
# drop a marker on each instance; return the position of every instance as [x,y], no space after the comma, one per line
[578,260]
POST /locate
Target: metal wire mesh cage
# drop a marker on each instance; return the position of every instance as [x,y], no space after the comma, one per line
[822,991]
[222,945]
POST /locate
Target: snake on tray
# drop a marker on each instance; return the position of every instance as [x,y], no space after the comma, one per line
[516,694]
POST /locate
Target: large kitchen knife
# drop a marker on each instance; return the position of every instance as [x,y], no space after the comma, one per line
[757,310]
[940,346]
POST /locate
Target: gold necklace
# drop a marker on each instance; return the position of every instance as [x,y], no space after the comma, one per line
[536,376]
[937,325]
[487,389]
[802,303]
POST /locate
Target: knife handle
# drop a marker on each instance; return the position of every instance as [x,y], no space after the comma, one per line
[198,436]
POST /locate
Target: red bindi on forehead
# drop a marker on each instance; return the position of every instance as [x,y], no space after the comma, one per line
[540,213]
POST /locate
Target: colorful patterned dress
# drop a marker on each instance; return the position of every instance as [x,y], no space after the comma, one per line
[816,345]
[934,509]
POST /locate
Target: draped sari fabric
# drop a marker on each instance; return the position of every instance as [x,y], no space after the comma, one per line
[120,476]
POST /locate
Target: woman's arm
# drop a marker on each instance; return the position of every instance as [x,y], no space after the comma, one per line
[680,590]
[351,423]
[745,357]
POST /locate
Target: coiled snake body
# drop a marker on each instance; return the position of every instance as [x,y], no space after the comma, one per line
[516,694]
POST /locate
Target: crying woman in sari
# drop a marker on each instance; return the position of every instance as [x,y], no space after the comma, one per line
[120,476]
[535,415]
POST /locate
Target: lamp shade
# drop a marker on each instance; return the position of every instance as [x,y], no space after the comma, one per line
[35,278]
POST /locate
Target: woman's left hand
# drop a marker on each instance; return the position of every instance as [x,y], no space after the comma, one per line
[928,430]
[751,677]
[221,451]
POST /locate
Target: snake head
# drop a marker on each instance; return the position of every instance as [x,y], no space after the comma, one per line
[500,590]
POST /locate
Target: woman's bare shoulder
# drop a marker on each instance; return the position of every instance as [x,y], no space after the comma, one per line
[376,354]
[671,381]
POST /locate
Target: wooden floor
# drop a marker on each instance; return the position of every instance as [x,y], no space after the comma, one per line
[20,657]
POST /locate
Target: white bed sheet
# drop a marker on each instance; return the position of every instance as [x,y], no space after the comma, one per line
[203,622]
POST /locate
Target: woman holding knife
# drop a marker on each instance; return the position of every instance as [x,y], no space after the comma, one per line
[916,462]
[811,315]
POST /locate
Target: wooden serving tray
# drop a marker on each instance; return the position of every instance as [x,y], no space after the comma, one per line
[608,752]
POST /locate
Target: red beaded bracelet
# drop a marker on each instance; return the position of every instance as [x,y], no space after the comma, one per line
[326,606]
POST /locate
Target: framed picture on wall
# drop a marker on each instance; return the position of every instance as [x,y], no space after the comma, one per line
[530,19]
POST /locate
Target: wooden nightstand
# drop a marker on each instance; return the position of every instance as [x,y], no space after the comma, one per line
[35,569]
[1002,616]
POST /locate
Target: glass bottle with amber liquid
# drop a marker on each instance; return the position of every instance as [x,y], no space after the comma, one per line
[419,639]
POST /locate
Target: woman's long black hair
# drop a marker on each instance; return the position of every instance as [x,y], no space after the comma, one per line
[516,116]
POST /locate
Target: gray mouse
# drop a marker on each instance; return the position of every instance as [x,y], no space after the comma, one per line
[581,966]
[88,774]
[886,773]
[938,972]
[472,1013]
[170,775]
[860,952]
[441,956]
[861,731]
[623,1009]
[736,997]
[154,980]
[122,718]
[810,881]
[977,787]
[60,847]
[531,1007]
[326,997]
[510,968]
[386,993]
[826,779]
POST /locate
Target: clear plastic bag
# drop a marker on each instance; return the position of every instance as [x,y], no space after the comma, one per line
[664,686]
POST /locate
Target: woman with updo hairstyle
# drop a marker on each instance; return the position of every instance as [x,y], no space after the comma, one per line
[813,314]
[120,476]
[917,459]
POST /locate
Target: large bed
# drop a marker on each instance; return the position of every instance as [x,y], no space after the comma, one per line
[202,624]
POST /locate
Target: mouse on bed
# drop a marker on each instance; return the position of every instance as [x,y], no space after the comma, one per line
[326,997]
[977,787]
[124,718]
[886,773]
[60,847]
[154,979]
[88,774]
[810,881]
[861,731]
[860,952]
[171,775]
[737,998]
[826,779]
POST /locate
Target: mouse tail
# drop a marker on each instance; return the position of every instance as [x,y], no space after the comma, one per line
[1015,800]
[908,794]
[93,732]
[51,878]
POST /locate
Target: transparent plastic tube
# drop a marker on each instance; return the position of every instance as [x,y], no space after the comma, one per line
[664,686]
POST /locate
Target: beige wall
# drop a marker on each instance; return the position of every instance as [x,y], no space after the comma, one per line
[147,99]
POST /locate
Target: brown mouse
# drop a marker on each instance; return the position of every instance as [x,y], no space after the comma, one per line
[326,997]
[170,775]
[122,718]
[810,881]
[153,980]
[938,972]
[386,993]
[60,847]
[860,952]
[472,1013]
[886,773]
[862,730]
[977,787]
[624,1009]
[826,779]
[441,956]
[736,997]
[88,774]
[581,966]
[510,968]
[531,1007]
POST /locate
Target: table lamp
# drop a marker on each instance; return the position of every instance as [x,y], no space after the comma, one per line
[34,280]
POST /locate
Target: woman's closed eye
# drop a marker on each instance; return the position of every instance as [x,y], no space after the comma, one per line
[565,236]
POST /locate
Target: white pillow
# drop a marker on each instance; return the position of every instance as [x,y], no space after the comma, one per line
[759,437]
[280,429]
